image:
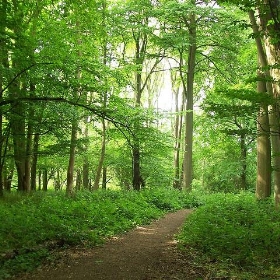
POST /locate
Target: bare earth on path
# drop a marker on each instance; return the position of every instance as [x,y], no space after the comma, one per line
[147,252]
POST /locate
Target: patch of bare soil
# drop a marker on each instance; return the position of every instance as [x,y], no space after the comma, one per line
[145,253]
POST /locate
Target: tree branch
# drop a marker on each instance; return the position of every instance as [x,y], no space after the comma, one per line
[100,112]
[21,72]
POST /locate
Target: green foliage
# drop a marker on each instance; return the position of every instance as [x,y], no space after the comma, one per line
[170,199]
[217,158]
[32,225]
[236,231]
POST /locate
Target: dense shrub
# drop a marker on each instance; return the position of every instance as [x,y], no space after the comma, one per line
[30,223]
[236,230]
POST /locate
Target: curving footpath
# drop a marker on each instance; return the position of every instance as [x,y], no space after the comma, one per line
[147,252]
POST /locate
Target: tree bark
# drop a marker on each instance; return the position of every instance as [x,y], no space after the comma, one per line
[272,49]
[78,180]
[263,184]
[136,168]
[57,181]
[85,172]
[71,162]
[104,178]
[45,179]
[243,149]
[188,153]
[178,139]
[101,158]
[268,57]
[29,151]
[18,133]
[140,44]
[34,162]
[4,64]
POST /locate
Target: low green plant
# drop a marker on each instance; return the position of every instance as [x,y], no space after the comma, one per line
[235,231]
[31,223]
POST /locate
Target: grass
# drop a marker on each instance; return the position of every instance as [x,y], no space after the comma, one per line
[235,237]
[33,225]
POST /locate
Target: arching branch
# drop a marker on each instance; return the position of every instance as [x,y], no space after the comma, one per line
[20,73]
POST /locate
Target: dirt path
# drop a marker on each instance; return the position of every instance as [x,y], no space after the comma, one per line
[148,252]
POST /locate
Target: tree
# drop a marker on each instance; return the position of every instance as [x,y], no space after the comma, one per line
[137,22]
[234,111]
[264,18]
[191,33]
[4,66]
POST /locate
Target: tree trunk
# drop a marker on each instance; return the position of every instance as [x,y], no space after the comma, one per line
[28,158]
[104,178]
[243,149]
[71,163]
[74,126]
[139,56]
[275,144]
[45,179]
[57,182]
[178,139]
[34,162]
[18,110]
[188,153]
[272,49]
[18,133]
[263,184]
[4,64]
[136,168]
[78,180]
[102,157]
[18,123]
[40,180]
[85,171]
[7,181]
[269,56]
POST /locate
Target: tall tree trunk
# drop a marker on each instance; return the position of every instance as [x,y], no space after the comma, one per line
[243,149]
[18,118]
[18,132]
[178,139]
[188,153]
[40,180]
[139,57]
[74,126]
[19,88]
[85,171]
[101,158]
[71,162]
[78,180]
[272,49]
[57,182]
[34,162]
[275,144]
[263,55]
[4,64]
[136,168]
[45,179]
[104,178]
[28,158]
[103,134]
[263,184]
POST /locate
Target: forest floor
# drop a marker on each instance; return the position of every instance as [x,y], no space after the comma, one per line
[147,252]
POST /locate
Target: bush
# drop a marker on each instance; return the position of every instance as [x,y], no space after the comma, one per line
[236,230]
[30,223]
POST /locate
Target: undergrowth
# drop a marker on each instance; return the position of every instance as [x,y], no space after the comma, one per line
[33,225]
[236,236]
